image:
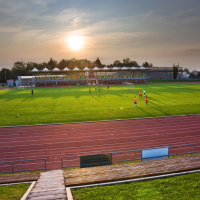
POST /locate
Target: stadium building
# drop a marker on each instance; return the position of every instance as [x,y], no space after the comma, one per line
[89,76]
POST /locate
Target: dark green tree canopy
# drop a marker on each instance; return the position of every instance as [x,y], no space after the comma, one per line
[51,64]
[146,64]
[117,63]
[175,72]
[97,63]
[24,69]
[9,75]
[187,70]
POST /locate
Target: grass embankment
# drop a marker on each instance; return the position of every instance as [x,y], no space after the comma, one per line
[32,172]
[181,187]
[75,104]
[13,192]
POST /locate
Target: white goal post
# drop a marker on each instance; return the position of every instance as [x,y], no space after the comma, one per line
[129,86]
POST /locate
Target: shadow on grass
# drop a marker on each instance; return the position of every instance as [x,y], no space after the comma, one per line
[145,112]
[26,99]
[97,99]
[167,114]
[157,100]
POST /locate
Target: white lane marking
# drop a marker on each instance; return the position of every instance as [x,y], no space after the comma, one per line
[102,151]
[93,134]
[96,140]
[100,145]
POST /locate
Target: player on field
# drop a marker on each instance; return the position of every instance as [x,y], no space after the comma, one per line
[95,89]
[135,101]
[108,87]
[144,92]
[99,88]
[32,92]
[140,94]
[146,99]
[89,90]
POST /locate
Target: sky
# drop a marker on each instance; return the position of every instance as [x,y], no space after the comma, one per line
[157,31]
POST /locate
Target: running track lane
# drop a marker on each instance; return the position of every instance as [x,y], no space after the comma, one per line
[55,141]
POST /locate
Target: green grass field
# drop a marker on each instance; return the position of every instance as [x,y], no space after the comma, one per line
[184,187]
[75,104]
[13,192]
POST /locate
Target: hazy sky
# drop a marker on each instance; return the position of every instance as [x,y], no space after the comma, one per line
[162,32]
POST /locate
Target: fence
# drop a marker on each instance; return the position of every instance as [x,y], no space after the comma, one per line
[132,155]
[22,165]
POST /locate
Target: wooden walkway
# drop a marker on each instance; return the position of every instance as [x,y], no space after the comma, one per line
[49,186]
[15,178]
[110,173]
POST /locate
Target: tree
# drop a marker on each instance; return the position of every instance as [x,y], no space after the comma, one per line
[198,75]
[186,70]
[8,75]
[51,64]
[146,64]
[29,66]
[134,63]
[192,76]
[126,61]
[19,69]
[116,63]
[62,64]
[175,72]
[97,63]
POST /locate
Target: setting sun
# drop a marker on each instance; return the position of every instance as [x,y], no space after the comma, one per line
[75,42]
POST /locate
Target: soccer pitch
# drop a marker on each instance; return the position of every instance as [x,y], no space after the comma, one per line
[75,104]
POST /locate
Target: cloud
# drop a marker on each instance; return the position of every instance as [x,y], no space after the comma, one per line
[43,2]
[8,29]
[71,16]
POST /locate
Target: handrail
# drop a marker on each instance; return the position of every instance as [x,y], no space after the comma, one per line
[12,166]
[133,151]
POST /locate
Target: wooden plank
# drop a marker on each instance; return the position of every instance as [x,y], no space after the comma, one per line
[49,186]
[129,171]
[15,178]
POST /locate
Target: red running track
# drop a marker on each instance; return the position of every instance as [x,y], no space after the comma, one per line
[55,141]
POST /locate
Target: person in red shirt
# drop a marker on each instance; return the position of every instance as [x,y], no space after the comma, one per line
[140,94]
[135,101]
[108,87]
[146,99]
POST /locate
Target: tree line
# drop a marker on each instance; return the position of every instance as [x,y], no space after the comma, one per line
[23,69]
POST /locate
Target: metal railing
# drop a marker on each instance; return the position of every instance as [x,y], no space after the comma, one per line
[127,152]
[12,164]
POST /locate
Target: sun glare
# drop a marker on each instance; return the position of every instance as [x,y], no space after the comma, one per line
[75,42]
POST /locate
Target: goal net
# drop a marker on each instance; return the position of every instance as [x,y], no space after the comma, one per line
[129,86]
